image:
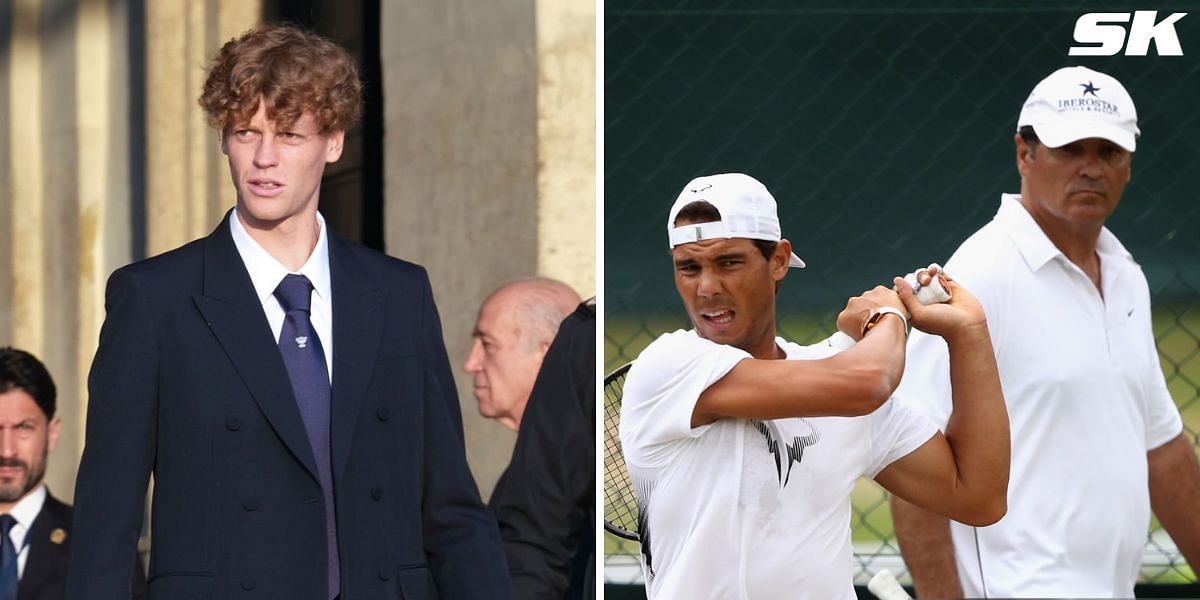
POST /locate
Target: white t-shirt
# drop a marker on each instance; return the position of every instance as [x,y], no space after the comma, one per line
[1086,401]
[741,509]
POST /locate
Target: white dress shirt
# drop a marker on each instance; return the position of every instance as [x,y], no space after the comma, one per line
[25,511]
[266,273]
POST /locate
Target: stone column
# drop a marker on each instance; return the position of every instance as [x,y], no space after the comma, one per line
[65,183]
[64,192]
[187,182]
[566,39]
[489,172]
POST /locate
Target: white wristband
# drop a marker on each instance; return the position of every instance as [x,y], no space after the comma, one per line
[878,314]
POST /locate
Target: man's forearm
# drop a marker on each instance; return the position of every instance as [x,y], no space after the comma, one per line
[927,549]
[1175,494]
[884,346]
[977,430]
[853,383]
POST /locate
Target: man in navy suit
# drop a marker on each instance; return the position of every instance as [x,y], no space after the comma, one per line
[289,390]
[33,558]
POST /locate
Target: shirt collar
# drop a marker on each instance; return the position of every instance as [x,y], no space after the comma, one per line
[1109,245]
[1035,247]
[27,508]
[266,272]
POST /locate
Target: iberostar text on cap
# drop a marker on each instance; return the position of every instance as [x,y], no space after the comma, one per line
[1074,103]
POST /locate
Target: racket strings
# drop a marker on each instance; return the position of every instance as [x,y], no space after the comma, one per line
[620,499]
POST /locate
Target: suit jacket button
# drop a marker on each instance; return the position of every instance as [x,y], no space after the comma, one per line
[250,504]
[385,573]
[233,424]
[383,413]
[249,583]
[376,493]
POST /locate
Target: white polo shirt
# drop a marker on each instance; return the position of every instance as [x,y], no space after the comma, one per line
[742,509]
[1086,400]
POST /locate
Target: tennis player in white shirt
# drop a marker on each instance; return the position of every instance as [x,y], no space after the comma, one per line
[744,447]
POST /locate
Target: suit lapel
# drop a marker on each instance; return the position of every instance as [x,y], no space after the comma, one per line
[47,550]
[236,317]
[357,327]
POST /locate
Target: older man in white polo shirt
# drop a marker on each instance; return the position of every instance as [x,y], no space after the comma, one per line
[1091,418]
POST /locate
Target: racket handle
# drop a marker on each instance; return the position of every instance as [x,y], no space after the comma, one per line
[933,292]
[885,586]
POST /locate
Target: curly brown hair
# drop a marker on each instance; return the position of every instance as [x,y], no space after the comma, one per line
[292,71]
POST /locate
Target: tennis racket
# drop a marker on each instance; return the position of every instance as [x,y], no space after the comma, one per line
[885,587]
[620,500]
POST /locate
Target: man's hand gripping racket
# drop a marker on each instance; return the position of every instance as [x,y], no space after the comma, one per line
[939,305]
[929,285]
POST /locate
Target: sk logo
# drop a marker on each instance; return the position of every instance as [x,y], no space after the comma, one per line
[302,341]
[1105,32]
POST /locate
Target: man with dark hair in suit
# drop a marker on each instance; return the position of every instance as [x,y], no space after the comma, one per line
[35,527]
[289,390]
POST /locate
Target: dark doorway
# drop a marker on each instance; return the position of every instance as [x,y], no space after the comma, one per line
[352,190]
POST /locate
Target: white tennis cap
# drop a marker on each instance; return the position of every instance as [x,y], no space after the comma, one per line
[1075,103]
[747,211]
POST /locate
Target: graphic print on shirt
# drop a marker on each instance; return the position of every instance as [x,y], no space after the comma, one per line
[644,488]
[795,449]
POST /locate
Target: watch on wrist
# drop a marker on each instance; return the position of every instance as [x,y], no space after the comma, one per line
[878,314]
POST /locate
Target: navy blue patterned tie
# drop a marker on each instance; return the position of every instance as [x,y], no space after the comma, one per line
[8,560]
[305,361]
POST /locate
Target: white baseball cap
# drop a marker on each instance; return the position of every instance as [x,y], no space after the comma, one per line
[1074,103]
[747,211]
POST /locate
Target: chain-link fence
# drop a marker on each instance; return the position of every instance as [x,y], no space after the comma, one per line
[885,131]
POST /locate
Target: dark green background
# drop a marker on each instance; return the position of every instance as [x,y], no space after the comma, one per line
[884,132]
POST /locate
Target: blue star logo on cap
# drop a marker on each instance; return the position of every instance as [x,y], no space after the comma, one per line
[1088,88]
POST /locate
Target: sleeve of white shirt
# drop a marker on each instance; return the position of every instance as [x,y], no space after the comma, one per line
[895,432]
[661,391]
[1163,423]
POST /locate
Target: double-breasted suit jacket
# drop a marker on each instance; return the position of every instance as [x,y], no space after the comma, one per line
[188,385]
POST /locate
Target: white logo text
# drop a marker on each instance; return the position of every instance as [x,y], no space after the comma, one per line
[1106,33]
